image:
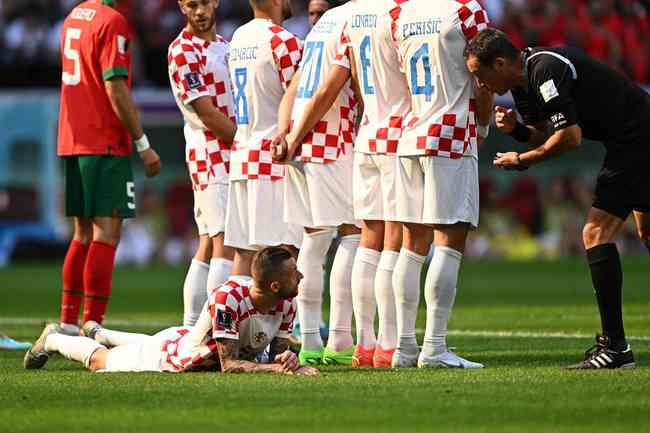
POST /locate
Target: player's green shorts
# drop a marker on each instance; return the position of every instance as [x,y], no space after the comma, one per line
[99,186]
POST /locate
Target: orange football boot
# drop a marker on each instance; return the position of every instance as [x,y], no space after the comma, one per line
[362,357]
[382,358]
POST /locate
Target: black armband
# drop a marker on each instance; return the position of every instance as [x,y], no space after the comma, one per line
[521,133]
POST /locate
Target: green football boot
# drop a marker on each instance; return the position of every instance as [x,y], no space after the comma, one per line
[311,357]
[343,357]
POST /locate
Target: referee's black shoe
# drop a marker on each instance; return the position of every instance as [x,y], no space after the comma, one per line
[601,356]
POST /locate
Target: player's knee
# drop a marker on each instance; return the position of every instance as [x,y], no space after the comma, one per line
[644,234]
[593,235]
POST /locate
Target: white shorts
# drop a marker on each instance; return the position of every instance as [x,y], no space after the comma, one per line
[436,190]
[138,357]
[210,207]
[319,195]
[374,187]
[254,218]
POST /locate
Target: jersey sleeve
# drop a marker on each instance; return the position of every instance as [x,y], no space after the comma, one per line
[288,316]
[114,50]
[473,18]
[287,53]
[224,309]
[552,81]
[187,72]
[393,17]
[343,47]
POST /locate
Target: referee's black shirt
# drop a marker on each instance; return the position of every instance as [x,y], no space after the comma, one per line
[566,87]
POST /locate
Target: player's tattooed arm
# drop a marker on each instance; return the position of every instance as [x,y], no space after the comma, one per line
[230,363]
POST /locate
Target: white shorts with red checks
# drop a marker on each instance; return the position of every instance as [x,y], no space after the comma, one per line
[144,355]
[437,190]
[319,195]
[210,207]
[374,187]
[254,218]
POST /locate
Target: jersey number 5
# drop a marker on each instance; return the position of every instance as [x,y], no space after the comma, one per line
[73,55]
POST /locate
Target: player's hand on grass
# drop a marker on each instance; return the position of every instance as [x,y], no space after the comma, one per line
[505,119]
[288,360]
[307,371]
[151,162]
[509,161]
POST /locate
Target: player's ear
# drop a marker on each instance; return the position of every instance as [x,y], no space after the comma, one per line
[275,287]
[180,6]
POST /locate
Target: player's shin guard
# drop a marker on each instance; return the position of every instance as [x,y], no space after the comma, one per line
[406,284]
[78,349]
[194,291]
[98,278]
[341,294]
[387,335]
[219,273]
[72,277]
[364,271]
[607,278]
[311,260]
[440,294]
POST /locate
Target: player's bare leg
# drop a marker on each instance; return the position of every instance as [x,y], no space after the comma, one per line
[642,220]
[98,270]
[242,263]
[72,275]
[196,281]
[440,294]
[221,262]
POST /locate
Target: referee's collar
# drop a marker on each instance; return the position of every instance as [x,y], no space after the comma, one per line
[527,52]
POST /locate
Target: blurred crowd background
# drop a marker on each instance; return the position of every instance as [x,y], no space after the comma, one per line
[537,214]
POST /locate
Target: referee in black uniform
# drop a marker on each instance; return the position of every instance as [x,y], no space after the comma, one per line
[564,95]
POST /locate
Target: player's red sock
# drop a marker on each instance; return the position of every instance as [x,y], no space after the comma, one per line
[98,276]
[72,277]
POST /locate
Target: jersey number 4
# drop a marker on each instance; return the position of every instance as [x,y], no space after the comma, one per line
[421,64]
[73,55]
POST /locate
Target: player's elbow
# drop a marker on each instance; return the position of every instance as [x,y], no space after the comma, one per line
[116,89]
[572,136]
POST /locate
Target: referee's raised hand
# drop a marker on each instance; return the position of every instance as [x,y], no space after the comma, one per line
[505,119]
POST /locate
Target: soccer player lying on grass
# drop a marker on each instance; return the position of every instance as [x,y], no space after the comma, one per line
[240,319]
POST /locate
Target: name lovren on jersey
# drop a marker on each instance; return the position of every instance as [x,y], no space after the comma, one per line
[83,14]
[247,53]
[421,28]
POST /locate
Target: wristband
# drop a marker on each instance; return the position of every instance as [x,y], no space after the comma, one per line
[521,133]
[142,143]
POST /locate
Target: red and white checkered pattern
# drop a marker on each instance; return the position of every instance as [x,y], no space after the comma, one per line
[199,68]
[387,107]
[234,317]
[473,18]
[180,356]
[334,134]
[442,121]
[272,57]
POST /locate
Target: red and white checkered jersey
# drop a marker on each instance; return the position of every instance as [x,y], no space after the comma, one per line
[383,86]
[431,37]
[235,318]
[199,68]
[181,353]
[334,133]
[263,59]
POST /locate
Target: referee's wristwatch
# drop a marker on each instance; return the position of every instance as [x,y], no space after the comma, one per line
[520,165]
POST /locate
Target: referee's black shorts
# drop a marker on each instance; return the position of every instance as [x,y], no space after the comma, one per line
[623,183]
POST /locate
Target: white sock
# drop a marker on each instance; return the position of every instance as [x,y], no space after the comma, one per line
[440,293]
[364,271]
[194,294]
[341,294]
[111,338]
[406,284]
[218,274]
[387,335]
[75,348]
[311,260]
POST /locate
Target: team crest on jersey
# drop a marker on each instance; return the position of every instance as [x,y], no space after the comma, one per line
[224,319]
[260,337]
[193,80]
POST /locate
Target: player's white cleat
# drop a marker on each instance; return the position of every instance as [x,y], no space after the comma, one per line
[91,328]
[37,356]
[447,359]
[68,329]
[403,359]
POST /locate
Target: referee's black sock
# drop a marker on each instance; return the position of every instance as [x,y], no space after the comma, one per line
[607,277]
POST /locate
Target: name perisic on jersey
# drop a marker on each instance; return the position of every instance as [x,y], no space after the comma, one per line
[83,14]
[364,21]
[421,28]
[246,53]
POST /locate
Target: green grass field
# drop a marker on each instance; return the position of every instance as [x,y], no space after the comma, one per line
[524,321]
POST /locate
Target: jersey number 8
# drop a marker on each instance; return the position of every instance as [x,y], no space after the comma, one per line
[241,102]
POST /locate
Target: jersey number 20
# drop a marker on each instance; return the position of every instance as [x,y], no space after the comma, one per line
[73,55]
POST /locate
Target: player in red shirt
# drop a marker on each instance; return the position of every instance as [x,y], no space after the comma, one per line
[98,122]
